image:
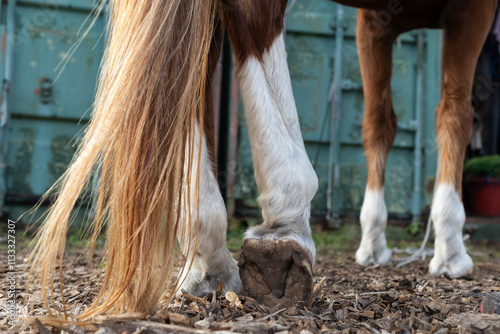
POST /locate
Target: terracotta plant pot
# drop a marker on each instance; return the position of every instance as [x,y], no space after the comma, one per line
[484,196]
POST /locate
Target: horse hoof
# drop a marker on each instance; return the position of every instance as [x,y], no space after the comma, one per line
[221,274]
[276,272]
[457,266]
[367,257]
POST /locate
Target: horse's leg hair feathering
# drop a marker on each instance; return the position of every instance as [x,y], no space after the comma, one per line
[282,246]
[462,44]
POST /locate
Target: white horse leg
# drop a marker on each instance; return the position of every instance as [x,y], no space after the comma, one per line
[283,172]
[450,256]
[277,256]
[373,246]
[282,246]
[379,130]
[453,129]
[212,263]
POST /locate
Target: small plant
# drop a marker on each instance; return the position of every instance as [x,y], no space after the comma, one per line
[413,228]
[487,166]
[234,237]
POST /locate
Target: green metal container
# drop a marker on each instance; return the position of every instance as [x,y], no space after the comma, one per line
[49,105]
[51,99]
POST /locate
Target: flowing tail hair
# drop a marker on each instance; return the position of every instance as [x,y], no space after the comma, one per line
[141,144]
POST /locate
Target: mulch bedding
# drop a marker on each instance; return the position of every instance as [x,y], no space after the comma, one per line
[348,298]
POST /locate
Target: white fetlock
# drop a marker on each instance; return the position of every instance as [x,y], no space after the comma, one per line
[448,215]
[457,266]
[373,246]
[367,255]
[200,281]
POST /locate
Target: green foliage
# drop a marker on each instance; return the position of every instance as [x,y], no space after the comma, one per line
[413,228]
[21,240]
[487,166]
[234,238]
[345,238]
[78,237]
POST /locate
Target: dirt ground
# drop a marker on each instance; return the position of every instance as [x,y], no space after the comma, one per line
[348,298]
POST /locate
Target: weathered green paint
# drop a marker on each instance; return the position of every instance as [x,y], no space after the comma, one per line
[310,43]
[45,34]
[62,153]
[39,152]
[50,103]
[484,229]
[21,167]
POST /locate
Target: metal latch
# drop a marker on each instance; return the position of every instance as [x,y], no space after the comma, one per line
[45,90]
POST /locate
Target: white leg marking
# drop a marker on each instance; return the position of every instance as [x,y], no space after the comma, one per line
[212,261]
[448,215]
[373,247]
[285,177]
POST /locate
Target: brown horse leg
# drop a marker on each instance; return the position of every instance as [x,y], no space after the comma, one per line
[465,29]
[212,264]
[277,256]
[379,129]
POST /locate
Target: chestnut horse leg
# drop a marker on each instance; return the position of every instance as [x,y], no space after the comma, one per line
[212,264]
[379,129]
[465,29]
[277,256]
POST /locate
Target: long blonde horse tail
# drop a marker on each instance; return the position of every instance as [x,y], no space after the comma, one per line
[141,147]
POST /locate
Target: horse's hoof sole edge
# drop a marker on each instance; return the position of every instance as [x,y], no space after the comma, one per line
[276,272]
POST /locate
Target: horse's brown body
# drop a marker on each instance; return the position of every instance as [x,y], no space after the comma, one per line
[404,15]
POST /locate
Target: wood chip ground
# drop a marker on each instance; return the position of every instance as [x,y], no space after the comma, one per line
[348,298]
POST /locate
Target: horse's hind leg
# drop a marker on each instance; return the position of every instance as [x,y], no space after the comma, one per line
[465,29]
[379,130]
[277,256]
[212,264]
